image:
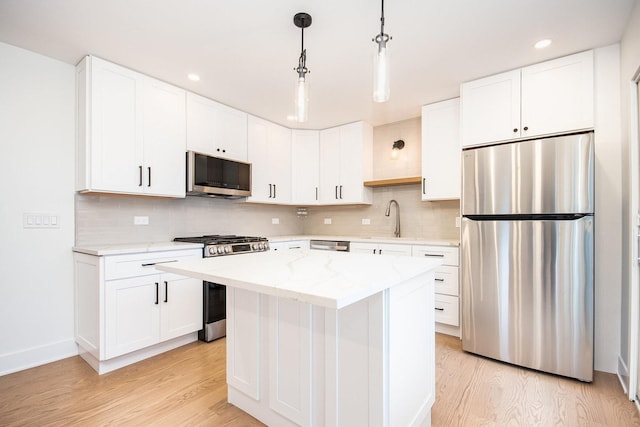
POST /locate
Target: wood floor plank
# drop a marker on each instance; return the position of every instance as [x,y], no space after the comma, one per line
[187,387]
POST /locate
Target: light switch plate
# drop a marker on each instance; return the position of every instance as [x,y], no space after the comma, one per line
[366,221]
[275,220]
[40,220]
[327,221]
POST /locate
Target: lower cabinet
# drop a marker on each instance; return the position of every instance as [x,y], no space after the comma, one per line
[447,299]
[380,248]
[126,310]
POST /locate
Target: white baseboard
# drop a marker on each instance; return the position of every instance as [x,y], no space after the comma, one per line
[104,366]
[36,356]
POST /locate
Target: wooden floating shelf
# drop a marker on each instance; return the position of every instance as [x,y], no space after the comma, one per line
[394,181]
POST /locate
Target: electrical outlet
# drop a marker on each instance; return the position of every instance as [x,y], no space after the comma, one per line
[458,221]
[366,221]
[275,220]
[140,220]
[327,221]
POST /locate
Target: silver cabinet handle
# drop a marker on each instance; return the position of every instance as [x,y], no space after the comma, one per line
[424,185]
[435,255]
[274,191]
[341,192]
[149,264]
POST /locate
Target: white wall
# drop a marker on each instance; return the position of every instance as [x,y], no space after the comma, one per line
[37,137]
[629,64]
[608,180]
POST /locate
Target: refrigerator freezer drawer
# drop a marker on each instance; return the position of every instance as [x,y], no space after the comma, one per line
[447,310]
[527,293]
[542,176]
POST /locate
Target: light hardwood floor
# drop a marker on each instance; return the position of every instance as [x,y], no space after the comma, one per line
[187,386]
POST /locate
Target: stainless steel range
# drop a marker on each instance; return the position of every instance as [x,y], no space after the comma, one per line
[214,323]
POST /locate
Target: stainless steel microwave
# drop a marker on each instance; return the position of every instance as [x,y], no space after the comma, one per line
[217,177]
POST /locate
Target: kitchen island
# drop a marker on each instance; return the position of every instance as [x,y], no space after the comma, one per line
[327,338]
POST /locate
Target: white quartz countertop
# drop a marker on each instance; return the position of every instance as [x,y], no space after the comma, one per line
[323,278]
[133,248]
[399,240]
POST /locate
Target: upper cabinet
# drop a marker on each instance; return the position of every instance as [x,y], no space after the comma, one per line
[131,132]
[305,167]
[547,98]
[215,129]
[441,150]
[269,152]
[345,163]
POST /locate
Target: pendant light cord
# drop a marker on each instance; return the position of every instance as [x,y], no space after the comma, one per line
[382,19]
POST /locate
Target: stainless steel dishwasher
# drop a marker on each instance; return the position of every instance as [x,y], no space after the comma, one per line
[330,245]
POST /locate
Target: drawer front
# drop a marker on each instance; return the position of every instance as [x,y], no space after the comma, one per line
[447,280]
[142,264]
[446,308]
[449,255]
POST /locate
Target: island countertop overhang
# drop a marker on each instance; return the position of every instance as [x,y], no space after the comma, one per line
[322,278]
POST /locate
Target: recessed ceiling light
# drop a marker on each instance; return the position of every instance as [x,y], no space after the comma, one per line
[541,44]
[193,77]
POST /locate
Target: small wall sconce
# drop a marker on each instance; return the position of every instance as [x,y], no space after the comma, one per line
[397,146]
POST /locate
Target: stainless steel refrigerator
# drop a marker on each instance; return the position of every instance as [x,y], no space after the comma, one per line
[527,253]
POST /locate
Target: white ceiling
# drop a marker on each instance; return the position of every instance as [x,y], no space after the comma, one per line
[245,50]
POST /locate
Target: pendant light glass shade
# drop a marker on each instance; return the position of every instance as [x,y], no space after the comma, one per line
[381,73]
[302,99]
[381,63]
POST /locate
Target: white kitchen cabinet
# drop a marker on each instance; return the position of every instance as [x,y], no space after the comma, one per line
[548,98]
[216,129]
[447,287]
[126,310]
[345,163]
[305,167]
[380,248]
[292,244]
[131,132]
[441,150]
[269,152]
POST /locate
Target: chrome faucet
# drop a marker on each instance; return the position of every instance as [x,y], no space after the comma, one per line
[388,212]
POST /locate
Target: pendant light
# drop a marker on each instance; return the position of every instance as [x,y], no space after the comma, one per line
[381,64]
[302,20]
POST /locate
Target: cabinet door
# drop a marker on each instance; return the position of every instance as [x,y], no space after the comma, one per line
[258,152]
[201,124]
[393,249]
[329,165]
[279,162]
[557,96]
[351,158]
[164,139]
[132,314]
[231,133]
[363,248]
[115,146]
[441,150]
[491,109]
[181,306]
[305,166]
[269,149]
